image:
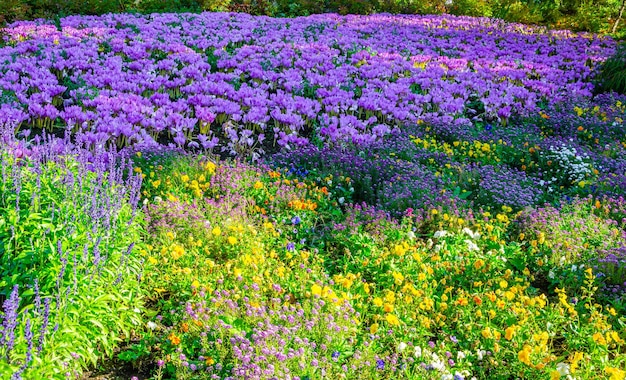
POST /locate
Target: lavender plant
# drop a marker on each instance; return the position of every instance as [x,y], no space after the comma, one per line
[70,269]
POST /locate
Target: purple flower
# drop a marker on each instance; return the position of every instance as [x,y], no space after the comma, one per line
[9,323]
[380,364]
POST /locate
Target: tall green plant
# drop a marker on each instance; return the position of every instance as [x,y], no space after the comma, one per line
[611,74]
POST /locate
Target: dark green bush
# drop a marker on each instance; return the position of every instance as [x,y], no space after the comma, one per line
[611,75]
[158,6]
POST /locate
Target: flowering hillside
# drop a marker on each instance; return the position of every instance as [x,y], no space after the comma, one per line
[419,197]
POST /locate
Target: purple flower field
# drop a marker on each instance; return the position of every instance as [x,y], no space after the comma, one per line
[230,80]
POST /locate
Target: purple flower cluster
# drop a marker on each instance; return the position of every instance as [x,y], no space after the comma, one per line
[504,186]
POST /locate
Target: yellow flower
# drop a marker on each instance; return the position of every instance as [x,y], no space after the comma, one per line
[398,278]
[509,332]
[616,373]
[486,333]
[390,297]
[258,185]
[217,231]
[555,375]
[177,251]
[599,339]
[195,284]
[574,359]
[388,308]
[232,240]
[374,328]
[378,302]
[392,319]
[237,272]
[316,290]
[210,167]
[579,111]
[366,288]
[524,355]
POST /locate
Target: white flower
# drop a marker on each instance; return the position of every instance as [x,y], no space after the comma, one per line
[470,233]
[440,234]
[460,355]
[481,354]
[471,245]
[551,275]
[411,235]
[402,346]
[152,325]
[341,200]
[418,352]
[563,369]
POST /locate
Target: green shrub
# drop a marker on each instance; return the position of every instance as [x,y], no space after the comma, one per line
[471,8]
[158,6]
[11,10]
[611,74]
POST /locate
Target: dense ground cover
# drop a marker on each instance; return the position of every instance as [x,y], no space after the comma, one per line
[428,197]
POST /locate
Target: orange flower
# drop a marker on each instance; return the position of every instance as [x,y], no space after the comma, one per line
[174,339]
[477,300]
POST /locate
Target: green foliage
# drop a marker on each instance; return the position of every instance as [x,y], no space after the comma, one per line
[53,233]
[612,73]
[157,6]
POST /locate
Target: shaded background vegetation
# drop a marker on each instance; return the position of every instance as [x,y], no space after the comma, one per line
[578,15]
